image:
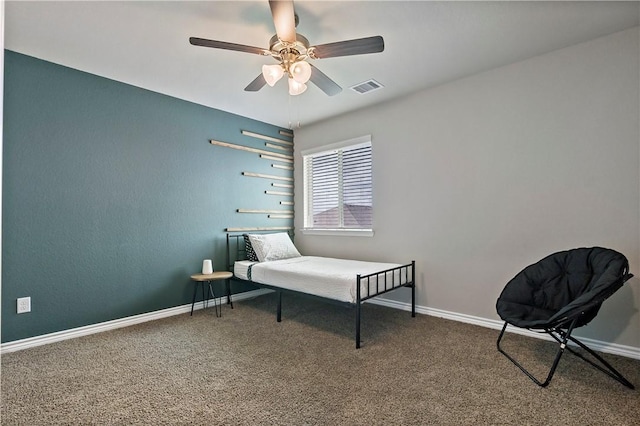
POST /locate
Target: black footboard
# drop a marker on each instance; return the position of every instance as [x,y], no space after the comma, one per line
[383,282]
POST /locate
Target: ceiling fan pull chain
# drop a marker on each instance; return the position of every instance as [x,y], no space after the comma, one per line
[289,111]
[291,108]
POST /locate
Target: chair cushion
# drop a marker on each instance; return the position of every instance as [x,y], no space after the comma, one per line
[560,285]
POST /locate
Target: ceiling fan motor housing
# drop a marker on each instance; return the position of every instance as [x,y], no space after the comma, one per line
[280,48]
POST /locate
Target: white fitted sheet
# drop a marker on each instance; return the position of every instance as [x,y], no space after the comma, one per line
[324,276]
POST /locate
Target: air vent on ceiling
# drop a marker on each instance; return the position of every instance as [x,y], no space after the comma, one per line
[366,87]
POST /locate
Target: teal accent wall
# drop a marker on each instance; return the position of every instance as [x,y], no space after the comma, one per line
[113,196]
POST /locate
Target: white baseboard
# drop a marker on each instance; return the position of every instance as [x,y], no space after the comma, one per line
[598,345]
[44,339]
[17,345]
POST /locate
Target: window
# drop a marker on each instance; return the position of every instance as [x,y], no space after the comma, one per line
[338,187]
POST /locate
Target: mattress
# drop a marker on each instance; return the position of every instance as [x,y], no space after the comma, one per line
[322,276]
[242,269]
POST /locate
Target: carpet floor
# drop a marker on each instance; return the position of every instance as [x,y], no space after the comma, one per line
[246,369]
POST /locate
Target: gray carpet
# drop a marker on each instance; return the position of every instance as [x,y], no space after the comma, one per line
[246,369]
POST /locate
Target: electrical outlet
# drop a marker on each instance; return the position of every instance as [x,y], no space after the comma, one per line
[24,305]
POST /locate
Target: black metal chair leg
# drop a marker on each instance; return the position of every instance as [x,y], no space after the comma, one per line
[531,376]
[607,369]
[565,336]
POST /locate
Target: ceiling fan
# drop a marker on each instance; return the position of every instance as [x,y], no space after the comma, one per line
[292,51]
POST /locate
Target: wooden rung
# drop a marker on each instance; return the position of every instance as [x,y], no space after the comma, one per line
[264,211]
[280,157]
[281,185]
[269,157]
[281,148]
[279,216]
[266,138]
[260,175]
[286,203]
[279,166]
[286,194]
[260,228]
[285,133]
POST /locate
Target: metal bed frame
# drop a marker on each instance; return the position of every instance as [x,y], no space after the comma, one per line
[382,285]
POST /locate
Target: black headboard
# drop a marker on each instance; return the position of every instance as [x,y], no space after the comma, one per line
[236,247]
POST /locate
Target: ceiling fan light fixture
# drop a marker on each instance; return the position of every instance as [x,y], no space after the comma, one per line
[296,88]
[292,50]
[300,71]
[272,73]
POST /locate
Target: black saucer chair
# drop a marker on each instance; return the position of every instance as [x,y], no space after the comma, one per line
[560,293]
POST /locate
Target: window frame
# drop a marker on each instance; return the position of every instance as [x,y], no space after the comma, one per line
[365,140]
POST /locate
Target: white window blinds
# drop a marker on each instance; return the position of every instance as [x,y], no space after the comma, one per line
[338,187]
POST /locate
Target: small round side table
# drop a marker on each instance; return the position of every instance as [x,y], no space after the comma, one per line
[209,278]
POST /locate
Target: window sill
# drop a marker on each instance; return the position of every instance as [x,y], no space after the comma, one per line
[339,232]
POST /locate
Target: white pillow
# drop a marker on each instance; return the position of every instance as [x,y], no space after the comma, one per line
[273,246]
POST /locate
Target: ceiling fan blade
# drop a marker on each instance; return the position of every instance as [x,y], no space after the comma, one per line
[224,45]
[284,19]
[323,82]
[359,46]
[256,84]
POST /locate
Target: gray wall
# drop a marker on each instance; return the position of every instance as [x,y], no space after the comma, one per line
[480,177]
[113,196]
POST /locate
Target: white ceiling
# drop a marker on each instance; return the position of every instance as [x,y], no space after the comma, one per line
[146,44]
